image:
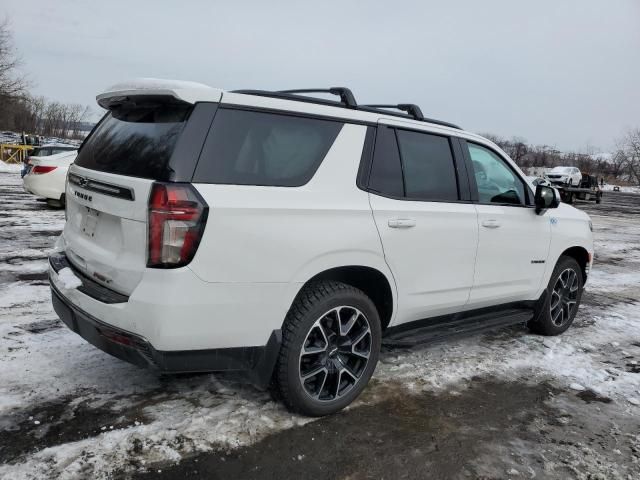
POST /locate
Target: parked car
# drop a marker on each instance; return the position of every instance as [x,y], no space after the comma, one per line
[46,176]
[565,175]
[46,151]
[286,236]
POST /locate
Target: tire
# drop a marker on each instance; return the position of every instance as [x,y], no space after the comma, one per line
[556,313]
[330,345]
[54,203]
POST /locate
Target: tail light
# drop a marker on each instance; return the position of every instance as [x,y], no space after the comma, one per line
[177,216]
[38,169]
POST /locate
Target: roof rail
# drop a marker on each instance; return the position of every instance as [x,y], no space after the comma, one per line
[347,100]
[346,95]
[411,108]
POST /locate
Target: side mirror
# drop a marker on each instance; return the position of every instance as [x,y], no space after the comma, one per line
[546,197]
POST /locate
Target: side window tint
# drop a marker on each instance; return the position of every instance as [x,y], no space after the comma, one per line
[429,170]
[256,148]
[386,172]
[496,182]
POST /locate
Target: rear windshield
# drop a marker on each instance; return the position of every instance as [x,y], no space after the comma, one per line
[136,142]
[258,148]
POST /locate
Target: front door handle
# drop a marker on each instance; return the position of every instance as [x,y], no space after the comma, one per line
[402,223]
[491,223]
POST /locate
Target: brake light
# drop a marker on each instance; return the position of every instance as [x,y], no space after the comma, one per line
[38,169]
[177,216]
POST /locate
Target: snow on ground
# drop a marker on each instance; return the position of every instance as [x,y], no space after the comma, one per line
[10,167]
[623,189]
[96,414]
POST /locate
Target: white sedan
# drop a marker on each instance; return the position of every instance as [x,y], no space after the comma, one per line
[46,176]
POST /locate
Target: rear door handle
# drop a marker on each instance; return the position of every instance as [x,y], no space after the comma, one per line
[402,223]
[491,223]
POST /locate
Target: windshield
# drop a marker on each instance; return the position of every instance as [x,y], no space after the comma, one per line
[562,170]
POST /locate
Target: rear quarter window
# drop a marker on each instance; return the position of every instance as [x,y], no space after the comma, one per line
[258,148]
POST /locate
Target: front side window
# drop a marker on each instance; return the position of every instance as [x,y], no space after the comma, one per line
[257,148]
[496,182]
[427,163]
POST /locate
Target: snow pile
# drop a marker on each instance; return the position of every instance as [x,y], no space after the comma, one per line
[575,359]
[10,167]
[68,279]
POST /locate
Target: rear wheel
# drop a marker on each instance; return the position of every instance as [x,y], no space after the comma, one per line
[330,345]
[56,203]
[556,313]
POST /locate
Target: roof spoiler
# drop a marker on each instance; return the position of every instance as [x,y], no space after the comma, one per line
[169,90]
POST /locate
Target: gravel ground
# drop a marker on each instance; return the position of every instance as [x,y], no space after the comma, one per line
[506,404]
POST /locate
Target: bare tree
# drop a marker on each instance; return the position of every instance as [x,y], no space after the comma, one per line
[631,145]
[12,83]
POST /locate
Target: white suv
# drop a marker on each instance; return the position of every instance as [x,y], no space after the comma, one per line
[565,176]
[289,236]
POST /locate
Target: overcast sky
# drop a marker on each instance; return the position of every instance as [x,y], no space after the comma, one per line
[562,73]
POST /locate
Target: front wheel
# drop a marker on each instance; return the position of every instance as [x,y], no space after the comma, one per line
[330,346]
[562,299]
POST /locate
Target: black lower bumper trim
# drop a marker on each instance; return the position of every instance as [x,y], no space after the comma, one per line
[257,362]
[59,260]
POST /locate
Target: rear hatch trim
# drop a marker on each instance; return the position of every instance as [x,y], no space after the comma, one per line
[102,187]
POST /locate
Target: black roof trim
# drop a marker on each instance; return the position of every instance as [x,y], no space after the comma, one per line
[347,101]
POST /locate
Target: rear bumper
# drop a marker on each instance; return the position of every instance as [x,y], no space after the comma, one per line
[48,185]
[255,362]
[120,344]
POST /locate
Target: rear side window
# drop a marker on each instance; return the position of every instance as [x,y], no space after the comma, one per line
[257,148]
[427,163]
[136,142]
[386,171]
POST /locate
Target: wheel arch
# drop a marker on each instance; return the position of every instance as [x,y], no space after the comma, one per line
[373,282]
[581,255]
